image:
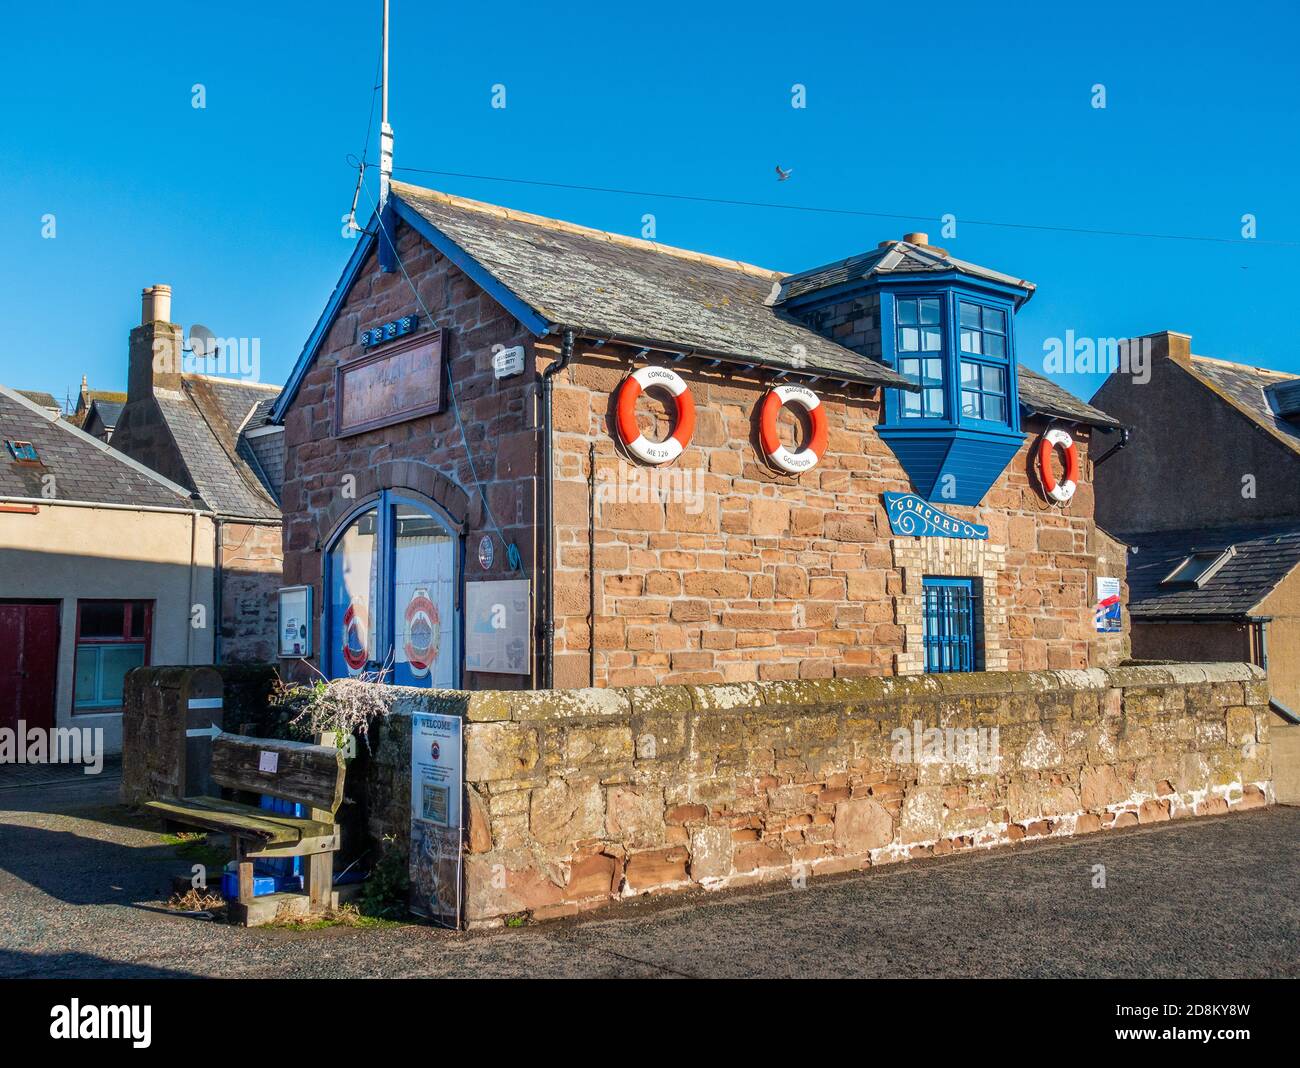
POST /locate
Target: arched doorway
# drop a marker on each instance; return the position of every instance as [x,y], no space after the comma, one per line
[392,594]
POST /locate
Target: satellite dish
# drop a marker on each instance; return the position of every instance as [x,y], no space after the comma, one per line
[203,342]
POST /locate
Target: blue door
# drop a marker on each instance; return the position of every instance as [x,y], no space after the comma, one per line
[951,624]
[392,576]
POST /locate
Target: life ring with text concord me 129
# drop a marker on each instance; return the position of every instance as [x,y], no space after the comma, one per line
[1064,490]
[655,452]
[778,454]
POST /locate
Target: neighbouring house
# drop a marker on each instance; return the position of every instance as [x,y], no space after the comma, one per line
[103,566]
[97,410]
[1212,517]
[209,434]
[44,401]
[476,498]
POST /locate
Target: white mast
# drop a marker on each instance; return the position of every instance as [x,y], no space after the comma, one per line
[385,131]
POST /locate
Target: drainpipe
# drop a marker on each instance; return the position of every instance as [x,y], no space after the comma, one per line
[548,482]
[216,589]
[1123,440]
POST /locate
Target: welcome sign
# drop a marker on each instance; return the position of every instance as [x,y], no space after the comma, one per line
[912,516]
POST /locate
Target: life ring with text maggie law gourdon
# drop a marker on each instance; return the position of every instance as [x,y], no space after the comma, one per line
[655,452]
[792,462]
[1058,491]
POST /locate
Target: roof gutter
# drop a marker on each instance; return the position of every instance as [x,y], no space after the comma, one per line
[52,501]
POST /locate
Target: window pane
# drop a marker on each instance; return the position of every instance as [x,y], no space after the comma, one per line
[911,404]
[992,379]
[995,319]
[934,402]
[909,339]
[995,345]
[907,312]
[970,403]
[930,310]
[995,408]
[970,373]
[970,314]
[103,619]
[970,341]
[931,339]
[934,370]
[114,662]
[424,600]
[139,613]
[910,368]
[84,690]
[353,608]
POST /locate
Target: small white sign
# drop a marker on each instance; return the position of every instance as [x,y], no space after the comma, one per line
[268,762]
[508,362]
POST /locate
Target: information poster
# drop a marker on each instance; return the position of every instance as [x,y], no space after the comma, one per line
[498,623]
[1108,607]
[437,785]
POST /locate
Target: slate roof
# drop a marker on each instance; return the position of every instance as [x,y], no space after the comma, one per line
[36,396]
[1248,390]
[109,411]
[205,418]
[1045,397]
[1263,555]
[84,468]
[621,288]
[892,257]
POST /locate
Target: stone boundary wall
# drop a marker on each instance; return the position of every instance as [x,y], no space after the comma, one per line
[577,798]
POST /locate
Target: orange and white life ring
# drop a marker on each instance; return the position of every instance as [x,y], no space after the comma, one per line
[1064,490]
[655,452]
[778,454]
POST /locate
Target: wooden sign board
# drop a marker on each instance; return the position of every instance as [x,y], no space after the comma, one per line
[400,382]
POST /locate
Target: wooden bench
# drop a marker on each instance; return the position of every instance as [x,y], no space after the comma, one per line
[309,775]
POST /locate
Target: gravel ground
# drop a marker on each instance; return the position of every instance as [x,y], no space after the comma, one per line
[82,882]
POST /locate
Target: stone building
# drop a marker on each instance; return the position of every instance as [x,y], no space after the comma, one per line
[469,508]
[102,563]
[210,435]
[1215,531]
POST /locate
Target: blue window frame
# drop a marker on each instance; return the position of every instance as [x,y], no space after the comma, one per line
[952,624]
[920,348]
[392,583]
[984,371]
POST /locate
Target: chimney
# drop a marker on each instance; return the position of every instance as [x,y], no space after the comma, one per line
[917,239]
[1168,345]
[155,346]
[83,398]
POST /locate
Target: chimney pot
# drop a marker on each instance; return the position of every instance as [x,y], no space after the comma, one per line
[917,239]
[156,304]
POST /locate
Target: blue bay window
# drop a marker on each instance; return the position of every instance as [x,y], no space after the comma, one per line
[955,340]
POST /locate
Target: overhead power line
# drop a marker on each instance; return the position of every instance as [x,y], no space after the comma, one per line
[813,209]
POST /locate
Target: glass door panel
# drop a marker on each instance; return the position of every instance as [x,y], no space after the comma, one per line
[353,597]
[424,600]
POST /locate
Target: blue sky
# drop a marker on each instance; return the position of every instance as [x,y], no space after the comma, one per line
[982,111]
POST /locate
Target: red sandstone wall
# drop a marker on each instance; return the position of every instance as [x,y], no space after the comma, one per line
[754,575]
[425,454]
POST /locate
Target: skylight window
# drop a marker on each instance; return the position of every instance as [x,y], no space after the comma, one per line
[1198,568]
[23,451]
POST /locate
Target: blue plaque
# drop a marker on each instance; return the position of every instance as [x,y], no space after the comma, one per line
[912,516]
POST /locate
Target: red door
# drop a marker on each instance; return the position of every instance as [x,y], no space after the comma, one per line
[29,661]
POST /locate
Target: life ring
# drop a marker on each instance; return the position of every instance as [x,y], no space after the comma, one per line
[778,454]
[355,627]
[655,452]
[1064,490]
[422,634]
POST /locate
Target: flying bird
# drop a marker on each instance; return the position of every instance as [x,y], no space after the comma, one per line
[781,175]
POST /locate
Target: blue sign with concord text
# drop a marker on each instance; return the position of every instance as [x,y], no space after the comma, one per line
[911,515]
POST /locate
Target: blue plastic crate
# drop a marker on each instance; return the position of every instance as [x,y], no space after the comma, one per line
[281,867]
[262,884]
